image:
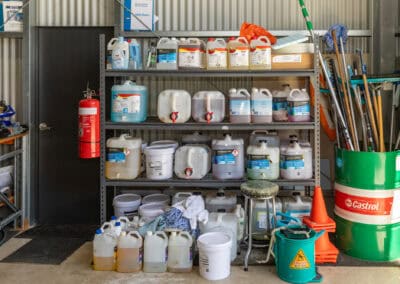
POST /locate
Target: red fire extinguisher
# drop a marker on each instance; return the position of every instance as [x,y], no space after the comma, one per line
[89,126]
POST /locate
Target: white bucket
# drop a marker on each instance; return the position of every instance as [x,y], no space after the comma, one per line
[156,198]
[150,211]
[126,204]
[214,255]
[165,143]
[159,162]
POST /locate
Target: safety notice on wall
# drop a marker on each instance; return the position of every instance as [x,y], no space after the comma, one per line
[300,261]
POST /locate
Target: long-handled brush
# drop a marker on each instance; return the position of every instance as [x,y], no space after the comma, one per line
[310,28]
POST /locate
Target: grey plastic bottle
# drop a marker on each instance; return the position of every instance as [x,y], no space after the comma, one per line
[228,159]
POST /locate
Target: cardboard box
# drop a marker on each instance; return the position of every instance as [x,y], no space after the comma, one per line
[296,56]
[144,10]
[13,9]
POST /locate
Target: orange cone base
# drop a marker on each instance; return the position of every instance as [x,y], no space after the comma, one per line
[325,251]
[328,227]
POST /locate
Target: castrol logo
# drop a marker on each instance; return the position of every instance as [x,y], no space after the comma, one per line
[362,205]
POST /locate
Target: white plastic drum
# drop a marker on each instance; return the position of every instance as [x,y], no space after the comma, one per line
[159,162]
[126,204]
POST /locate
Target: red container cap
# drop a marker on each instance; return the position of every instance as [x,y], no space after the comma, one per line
[254,37]
[232,38]
[211,39]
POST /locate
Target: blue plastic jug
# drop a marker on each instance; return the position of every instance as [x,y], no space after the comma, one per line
[129,102]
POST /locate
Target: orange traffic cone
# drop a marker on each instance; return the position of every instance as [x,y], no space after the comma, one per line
[319,220]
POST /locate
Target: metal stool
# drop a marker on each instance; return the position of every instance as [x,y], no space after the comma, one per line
[257,190]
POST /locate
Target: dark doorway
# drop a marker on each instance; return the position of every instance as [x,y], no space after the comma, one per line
[68,187]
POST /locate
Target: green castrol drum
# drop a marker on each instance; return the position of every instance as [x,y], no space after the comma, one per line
[367,204]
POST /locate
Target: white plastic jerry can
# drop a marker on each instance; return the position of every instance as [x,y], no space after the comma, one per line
[174,106]
[123,160]
[239,106]
[167,54]
[217,56]
[104,244]
[260,53]
[192,161]
[238,56]
[110,47]
[120,54]
[191,53]
[208,106]
[292,164]
[180,258]
[261,106]
[262,162]
[298,105]
[155,252]
[129,252]
[279,104]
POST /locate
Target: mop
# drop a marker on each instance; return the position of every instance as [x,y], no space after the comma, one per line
[310,28]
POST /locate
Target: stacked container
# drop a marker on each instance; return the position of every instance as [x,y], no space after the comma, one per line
[208,106]
[262,161]
[239,106]
[174,106]
[155,252]
[221,202]
[192,161]
[129,252]
[192,54]
[180,257]
[299,105]
[279,104]
[261,106]
[260,53]
[167,54]
[217,56]
[238,53]
[228,161]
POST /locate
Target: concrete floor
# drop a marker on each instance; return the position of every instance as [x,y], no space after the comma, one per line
[76,269]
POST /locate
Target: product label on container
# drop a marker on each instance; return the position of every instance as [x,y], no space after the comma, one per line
[279,104]
[239,56]
[258,162]
[287,58]
[126,103]
[262,220]
[225,157]
[117,155]
[261,107]
[292,162]
[166,56]
[191,57]
[239,107]
[217,57]
[299,108]
[260,55]
[154,168]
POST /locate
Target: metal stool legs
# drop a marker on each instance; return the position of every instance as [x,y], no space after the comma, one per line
[249,226]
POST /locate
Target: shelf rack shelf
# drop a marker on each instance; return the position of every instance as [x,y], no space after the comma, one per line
[154,124]
[11,35]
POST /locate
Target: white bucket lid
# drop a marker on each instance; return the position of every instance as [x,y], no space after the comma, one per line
[159,150]
[165,143]
[157,198]
[214,240]
[127,200]
[151,209]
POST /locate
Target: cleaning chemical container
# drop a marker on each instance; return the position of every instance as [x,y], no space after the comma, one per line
[269,137]
[192,53]
[240,214]
[261,106]
[214,255]
[297,206]
[129,252]
[110,47]
[167,54]
[238,56]
[148,212]
[120,54]
[298,105]
[159,162]
[222,222]
[112,228]
[192,161]
[262,217]
[174,106]
[279,104]
[308,155]
[126,204]
[155,252]
[103,251]
[157,198]
[239,106]
[260,53]
[228,160]
[180,196]
[262,161]
[217,55]
[292,164]
[196,138]
[221,202]
[135,55]
[208,106]
[166,143]
[129,102]
[180,257]
[123,157]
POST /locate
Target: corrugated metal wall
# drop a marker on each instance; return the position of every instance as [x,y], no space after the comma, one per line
[11,71]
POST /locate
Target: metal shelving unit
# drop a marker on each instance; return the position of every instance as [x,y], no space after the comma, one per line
[11,35]
[153,123]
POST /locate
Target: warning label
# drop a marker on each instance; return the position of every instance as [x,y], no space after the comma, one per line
[300,261]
